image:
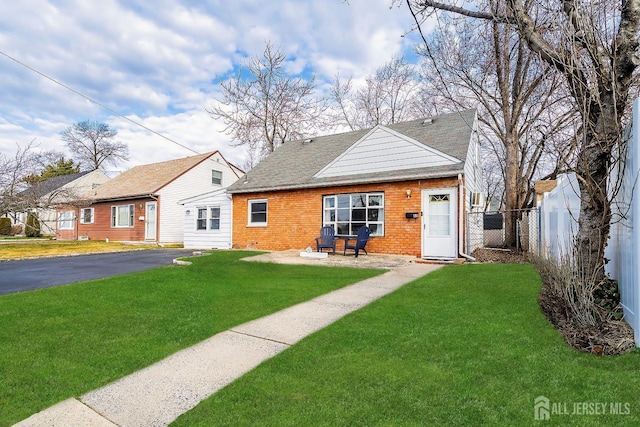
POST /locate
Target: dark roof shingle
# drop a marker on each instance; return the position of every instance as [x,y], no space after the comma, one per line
[294,164]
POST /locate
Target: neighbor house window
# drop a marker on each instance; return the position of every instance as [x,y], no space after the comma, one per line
[122,216]
[201,221]
[216,177]
[86,216]
[346,213]
[65,220]
[214,218]
[208,218]
[258,212]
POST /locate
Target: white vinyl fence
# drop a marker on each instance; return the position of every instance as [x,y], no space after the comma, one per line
[560,209]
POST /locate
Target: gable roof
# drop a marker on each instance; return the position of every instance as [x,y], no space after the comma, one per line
[145,180]
[52,184]
[417,149]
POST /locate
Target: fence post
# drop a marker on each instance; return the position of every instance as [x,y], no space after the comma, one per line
[539,213]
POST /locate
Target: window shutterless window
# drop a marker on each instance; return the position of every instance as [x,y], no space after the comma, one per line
[208,218]
[214,218]
[216,177]
[122,216]
[346,213]
[258,212]
[201,221]
[65,220]
[86,216]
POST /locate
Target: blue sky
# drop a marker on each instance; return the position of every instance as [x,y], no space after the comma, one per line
[159,62]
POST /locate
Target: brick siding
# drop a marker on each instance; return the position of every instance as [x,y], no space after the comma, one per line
[294,218]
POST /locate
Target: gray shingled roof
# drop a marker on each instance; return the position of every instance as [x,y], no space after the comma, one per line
[294,164]
[52,184]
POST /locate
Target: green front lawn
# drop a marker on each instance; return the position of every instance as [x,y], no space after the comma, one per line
[465,345]
[65,341]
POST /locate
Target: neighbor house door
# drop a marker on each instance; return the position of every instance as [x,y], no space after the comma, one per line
[150,221]
[439,223]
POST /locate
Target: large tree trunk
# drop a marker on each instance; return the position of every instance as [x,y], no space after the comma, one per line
[593,172]
[511,191]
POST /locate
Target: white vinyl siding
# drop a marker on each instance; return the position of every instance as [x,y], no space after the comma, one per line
[122,216]
[215,203]
[195,182]
[384,150]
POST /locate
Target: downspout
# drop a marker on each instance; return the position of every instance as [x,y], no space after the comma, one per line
[155,199]
[461,202]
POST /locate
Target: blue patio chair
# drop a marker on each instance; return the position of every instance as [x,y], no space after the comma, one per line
[327,239]
[360,241]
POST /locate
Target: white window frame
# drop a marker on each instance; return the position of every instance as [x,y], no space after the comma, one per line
[331,216]
[115,216]
[211,217]
[82,215]
[214,179]
[201,218]
[65,220]
[207,218]
[250,213]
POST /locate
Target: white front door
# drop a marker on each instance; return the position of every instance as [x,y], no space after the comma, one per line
[439,223]
[150,221]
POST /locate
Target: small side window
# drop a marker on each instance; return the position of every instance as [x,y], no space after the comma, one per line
[258,212]
[216,177]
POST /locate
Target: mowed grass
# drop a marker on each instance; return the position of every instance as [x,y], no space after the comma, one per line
[65,341]
[465,345]
[18,249]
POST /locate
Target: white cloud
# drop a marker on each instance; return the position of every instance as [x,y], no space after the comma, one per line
[161,61]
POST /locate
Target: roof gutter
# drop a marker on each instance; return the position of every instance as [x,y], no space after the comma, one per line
[345,182]
[461,202]
[133,197]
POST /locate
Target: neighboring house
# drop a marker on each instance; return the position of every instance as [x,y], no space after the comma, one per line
[410,182]
[207,221]
[141,204]
[44,197]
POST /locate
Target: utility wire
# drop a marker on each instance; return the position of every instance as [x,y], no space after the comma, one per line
[97,103]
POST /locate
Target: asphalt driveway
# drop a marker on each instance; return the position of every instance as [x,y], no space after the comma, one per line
[30,274]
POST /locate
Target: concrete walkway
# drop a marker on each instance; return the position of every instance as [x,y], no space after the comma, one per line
[157,395]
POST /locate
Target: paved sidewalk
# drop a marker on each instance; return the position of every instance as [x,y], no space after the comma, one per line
[158,394]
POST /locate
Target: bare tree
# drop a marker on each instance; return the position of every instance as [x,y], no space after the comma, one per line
[485,64]
[13,171]
[594,46]
[92,144]
[264,106]
[388,96]
[25,185]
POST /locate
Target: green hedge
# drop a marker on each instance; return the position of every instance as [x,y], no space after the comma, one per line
[33,226]
[5,226]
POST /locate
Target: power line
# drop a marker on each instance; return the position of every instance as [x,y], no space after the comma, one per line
[97,103]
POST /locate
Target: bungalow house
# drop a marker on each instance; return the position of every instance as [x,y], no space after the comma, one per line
[44,197]
[141,204]
[410,182]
